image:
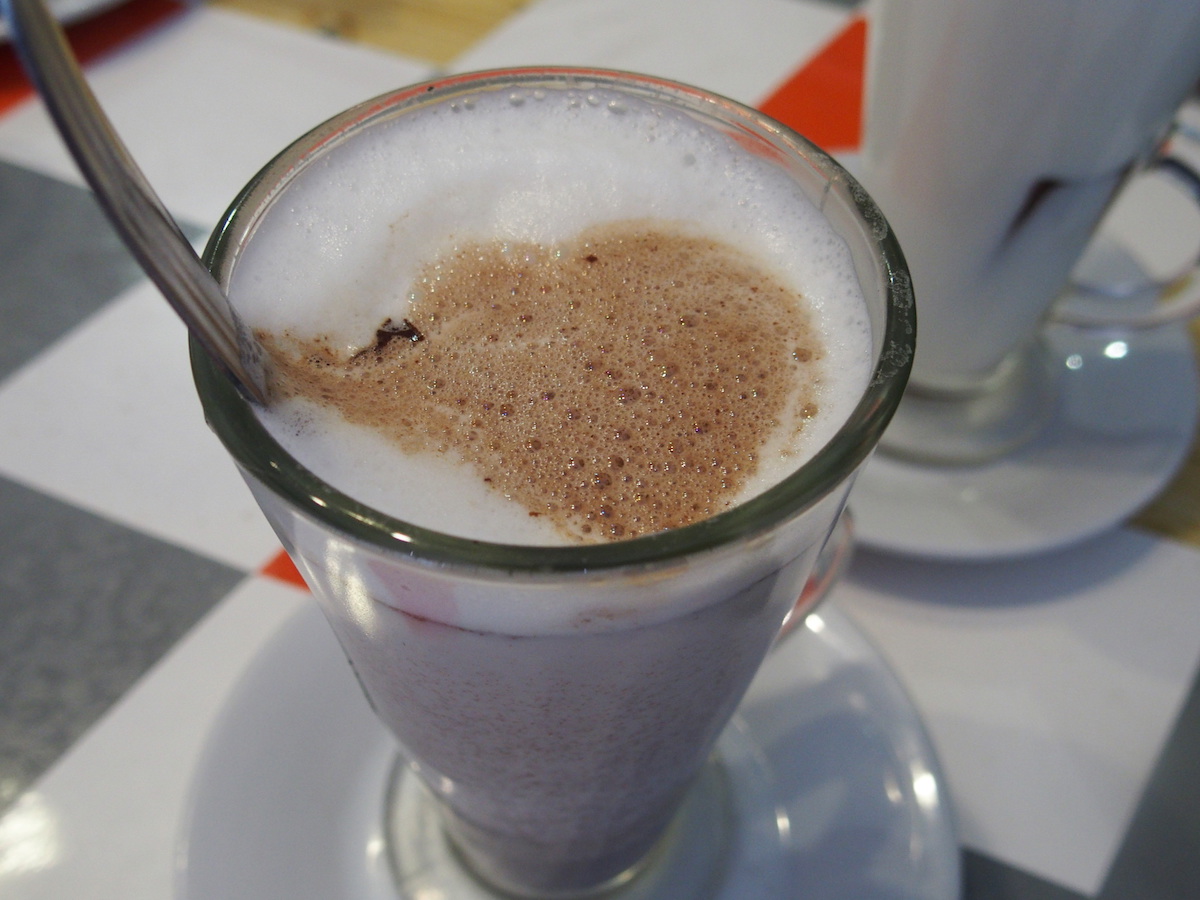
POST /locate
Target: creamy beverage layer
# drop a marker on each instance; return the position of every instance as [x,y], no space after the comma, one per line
[544,318]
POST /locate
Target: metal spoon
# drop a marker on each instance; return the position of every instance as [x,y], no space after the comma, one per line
[136,212]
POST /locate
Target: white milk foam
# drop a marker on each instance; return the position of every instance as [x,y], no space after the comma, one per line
[338,251]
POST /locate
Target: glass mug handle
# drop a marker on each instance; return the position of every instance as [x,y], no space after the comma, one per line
[1092,296]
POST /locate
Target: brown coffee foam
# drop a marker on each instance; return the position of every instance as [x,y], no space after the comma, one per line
[618,384]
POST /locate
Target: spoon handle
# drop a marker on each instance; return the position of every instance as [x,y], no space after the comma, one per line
[133,208]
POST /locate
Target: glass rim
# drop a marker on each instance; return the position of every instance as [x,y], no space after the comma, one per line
[231,415]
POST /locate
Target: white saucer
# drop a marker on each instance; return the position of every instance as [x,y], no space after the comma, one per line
[1123,425]
[833,777]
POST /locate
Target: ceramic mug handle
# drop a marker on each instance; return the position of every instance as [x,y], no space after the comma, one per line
[1090,301]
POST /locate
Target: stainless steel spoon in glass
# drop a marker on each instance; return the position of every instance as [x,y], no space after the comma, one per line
[132,206]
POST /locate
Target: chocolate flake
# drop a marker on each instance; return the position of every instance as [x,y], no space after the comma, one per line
[388,332]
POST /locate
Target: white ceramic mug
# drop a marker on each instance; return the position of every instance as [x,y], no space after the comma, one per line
[997,133]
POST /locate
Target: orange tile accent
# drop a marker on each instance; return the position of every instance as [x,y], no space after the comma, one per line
[90,39]
[283,569]
[823,99]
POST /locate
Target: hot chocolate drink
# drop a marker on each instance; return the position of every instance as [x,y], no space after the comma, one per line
[560,342]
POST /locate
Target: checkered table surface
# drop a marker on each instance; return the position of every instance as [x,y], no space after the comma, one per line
[137,578]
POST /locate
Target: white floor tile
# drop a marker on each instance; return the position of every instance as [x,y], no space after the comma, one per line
[104,822]
[107,418]
[742,50]
[205,101]
[1049,686]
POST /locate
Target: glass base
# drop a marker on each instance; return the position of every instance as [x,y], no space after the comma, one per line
[688,861]
[979,425]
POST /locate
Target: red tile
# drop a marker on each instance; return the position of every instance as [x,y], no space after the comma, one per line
[283,569]
[89,39]
[823,100]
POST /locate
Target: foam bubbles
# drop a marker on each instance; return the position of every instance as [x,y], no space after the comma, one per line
[343,248]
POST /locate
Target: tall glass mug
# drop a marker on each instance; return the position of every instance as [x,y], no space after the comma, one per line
[556,702]
[996,135]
